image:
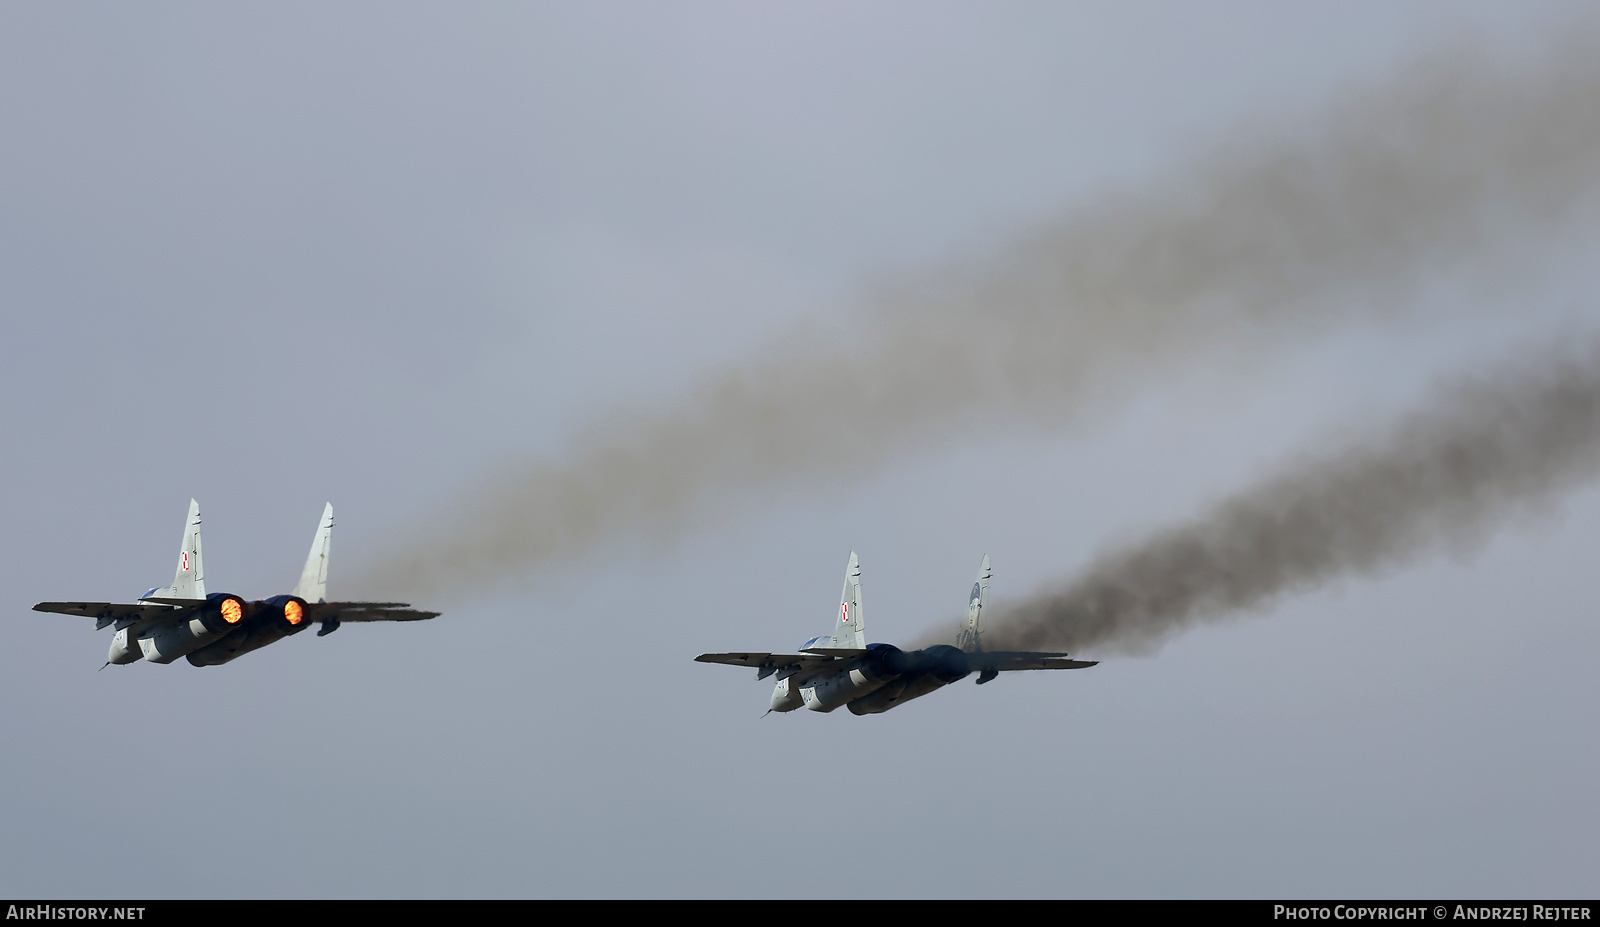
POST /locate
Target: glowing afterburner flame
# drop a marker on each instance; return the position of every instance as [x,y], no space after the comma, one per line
[293,613]
[232,611]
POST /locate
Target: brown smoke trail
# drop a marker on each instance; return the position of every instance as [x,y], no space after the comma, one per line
[1272,237]
[1483,450]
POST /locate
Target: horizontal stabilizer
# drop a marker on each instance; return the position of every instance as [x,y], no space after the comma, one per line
[836,651]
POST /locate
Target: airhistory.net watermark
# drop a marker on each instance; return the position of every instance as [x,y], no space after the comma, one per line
[52,912]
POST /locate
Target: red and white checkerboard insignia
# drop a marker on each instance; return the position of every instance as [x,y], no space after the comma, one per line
[844,613]
[183,561]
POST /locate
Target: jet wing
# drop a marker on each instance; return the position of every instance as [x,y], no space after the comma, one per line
[366,611]
[105,613]
[107,610]
[1015,660]
[804,660]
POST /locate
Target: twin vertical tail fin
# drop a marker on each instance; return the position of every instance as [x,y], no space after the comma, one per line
[313,585]
[969,637]
[850,631]
[190,581]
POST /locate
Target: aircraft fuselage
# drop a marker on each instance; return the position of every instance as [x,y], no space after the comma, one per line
[881,678]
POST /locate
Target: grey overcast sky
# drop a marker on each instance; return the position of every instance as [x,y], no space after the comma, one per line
[398,256]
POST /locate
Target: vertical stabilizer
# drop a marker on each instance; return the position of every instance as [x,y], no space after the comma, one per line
[190,581]
[313,585]
[851,629]
[968,639]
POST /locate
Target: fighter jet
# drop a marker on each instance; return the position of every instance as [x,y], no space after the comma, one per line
[843,669]
[181,620]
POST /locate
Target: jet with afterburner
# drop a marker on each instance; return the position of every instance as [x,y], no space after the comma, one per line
[182,620]
[843,669]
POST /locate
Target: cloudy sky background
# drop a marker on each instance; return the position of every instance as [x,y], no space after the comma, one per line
[384,256]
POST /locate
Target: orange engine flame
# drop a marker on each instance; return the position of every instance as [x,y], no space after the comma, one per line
[292,612]
[232,611]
